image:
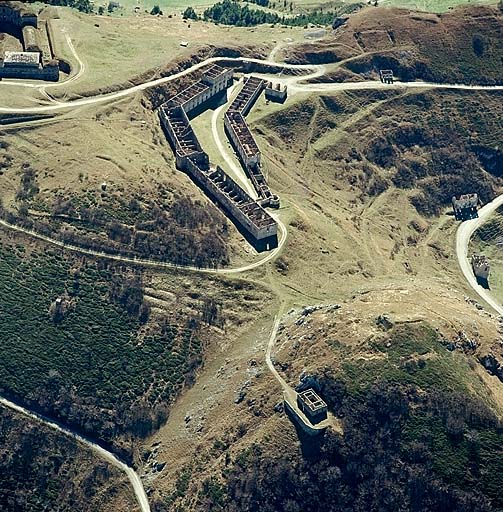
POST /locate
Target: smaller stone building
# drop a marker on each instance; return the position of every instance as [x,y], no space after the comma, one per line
[276,92]
[37,61]
[465,207]
[386,76]
[312,406]
[480,267]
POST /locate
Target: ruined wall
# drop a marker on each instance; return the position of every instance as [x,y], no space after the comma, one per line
[243,210]
[34,40]
[243,141]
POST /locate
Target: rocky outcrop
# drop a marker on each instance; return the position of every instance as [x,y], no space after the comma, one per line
[493,365]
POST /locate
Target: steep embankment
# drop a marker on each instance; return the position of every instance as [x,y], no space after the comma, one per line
[60,358]
[369,173]
[419,415]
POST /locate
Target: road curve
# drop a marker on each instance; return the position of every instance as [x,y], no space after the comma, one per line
[316,71]
[152,263]
[133,477]
[41,87]
[152,83]
[289,394]
[463,236]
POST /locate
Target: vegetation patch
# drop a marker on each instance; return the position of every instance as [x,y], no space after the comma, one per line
[42,470]
[73,345]
[416,437]
[434,144]
[230,12]
[460,46]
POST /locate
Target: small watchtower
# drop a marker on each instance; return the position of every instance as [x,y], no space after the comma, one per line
[465,207]
[386,76]
[276,92]
[312,406]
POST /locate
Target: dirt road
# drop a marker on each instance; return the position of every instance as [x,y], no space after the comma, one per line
[99,450]
[463,236]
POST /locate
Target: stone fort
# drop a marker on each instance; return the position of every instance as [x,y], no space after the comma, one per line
[248,215]
[26,44]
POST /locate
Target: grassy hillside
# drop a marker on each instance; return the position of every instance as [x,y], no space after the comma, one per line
[111,359]
[487,240]
[421,427]
[437,144]
[463,45]
[114,188]
[41,470]
[90,365]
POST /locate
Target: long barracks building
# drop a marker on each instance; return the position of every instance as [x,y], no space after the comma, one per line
[37,60]
[246,213]
[243,140]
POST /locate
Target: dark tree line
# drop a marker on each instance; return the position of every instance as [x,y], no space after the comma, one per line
[82,5]
[401,451]
[230,12]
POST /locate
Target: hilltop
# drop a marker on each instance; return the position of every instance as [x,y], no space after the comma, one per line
[463,45]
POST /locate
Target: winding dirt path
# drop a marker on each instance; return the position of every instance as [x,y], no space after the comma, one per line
[152,263]
[133,477]
[292,81]
[464,233]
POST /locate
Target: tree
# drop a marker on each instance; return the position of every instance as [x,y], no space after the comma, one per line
[479,45]
[190,14]
[101,10]
[156,10]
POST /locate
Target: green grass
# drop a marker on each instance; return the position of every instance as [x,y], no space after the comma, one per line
[433,5]
[93,358]
[170,6]
[452,430]
[472,460]
[410,355]
[167,6]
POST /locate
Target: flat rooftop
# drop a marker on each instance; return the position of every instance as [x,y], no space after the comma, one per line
[24,58]
[311,399]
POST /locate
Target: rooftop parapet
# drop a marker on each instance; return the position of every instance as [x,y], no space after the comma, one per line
[216,74]
[243,133]
[179,130]
[312,406]
[188,94]
[247,95]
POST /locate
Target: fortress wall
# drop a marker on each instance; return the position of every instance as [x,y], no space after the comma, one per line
[51,39]
[48,73]
[243,141]
[249,215]
[34,40]
[248,95]
[293,412]
[44,43]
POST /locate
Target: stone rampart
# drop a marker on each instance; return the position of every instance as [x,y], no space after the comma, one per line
[243,141]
